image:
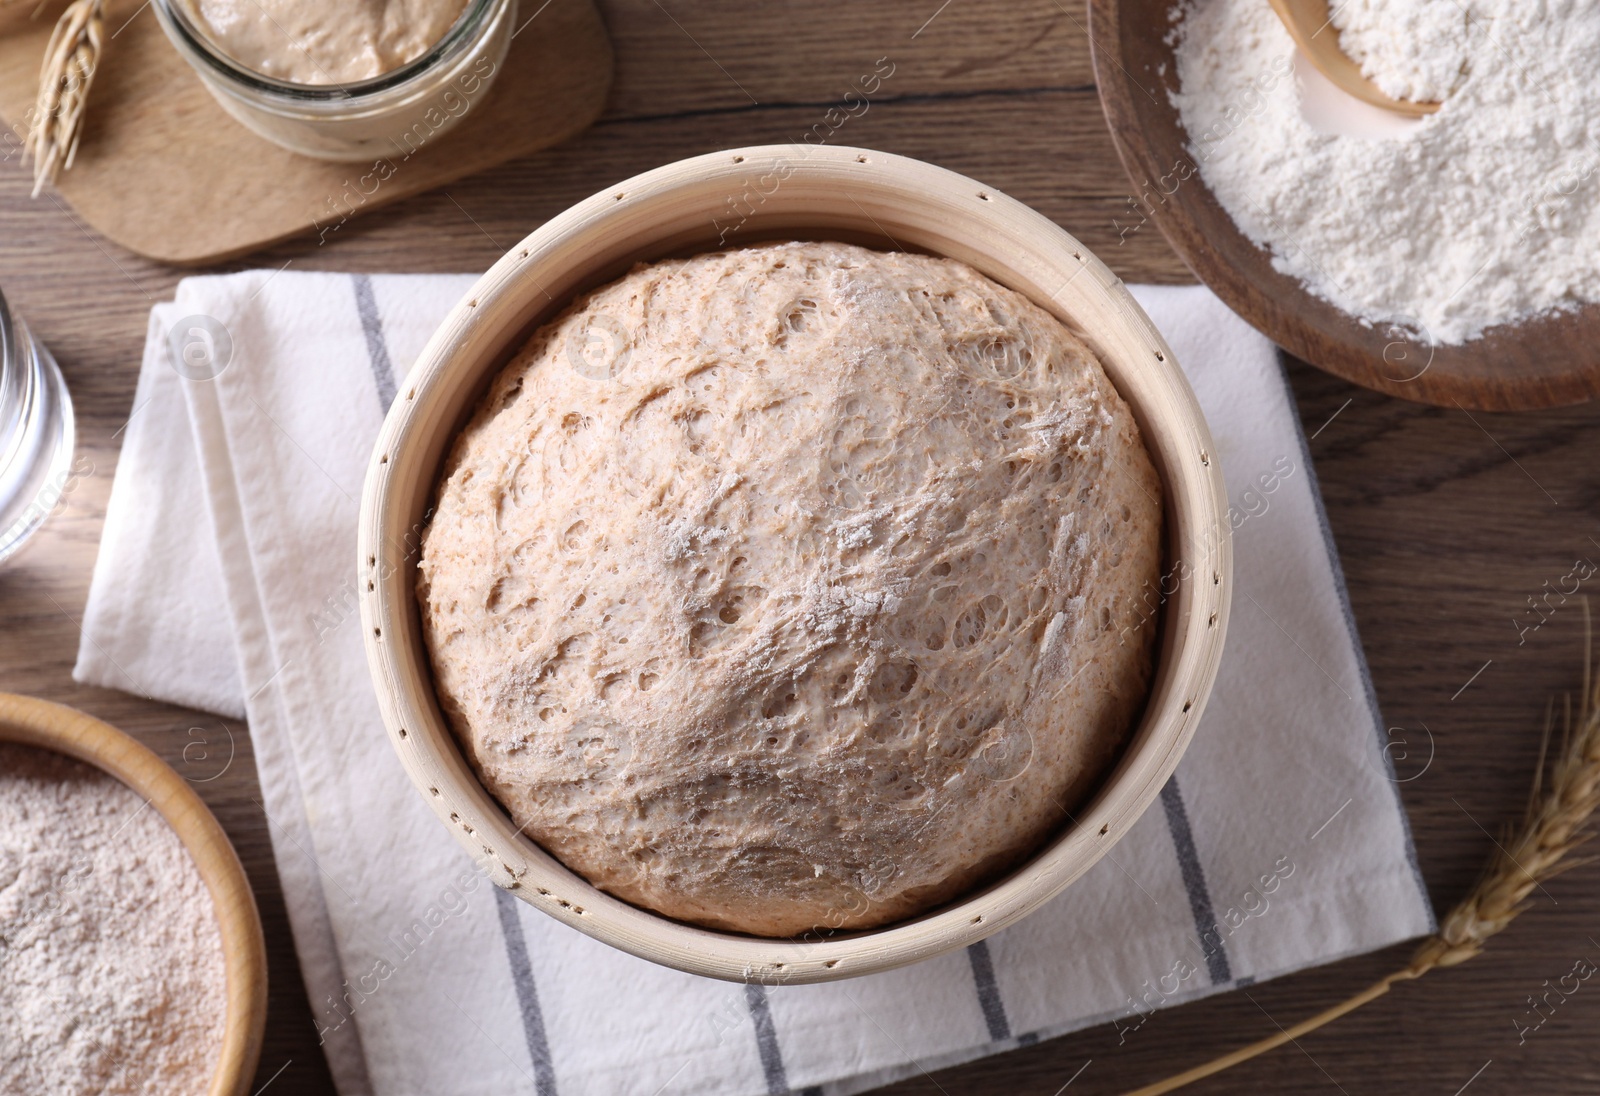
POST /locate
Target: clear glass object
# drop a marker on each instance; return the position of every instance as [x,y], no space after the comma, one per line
[37,433]
[385,118]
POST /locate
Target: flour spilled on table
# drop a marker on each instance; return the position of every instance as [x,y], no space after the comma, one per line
[111,966]
[1484,213]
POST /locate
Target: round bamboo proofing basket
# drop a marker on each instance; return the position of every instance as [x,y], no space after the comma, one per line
[729,199]
[25,721]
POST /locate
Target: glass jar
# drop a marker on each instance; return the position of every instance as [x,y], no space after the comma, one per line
[385,118]
[37,433]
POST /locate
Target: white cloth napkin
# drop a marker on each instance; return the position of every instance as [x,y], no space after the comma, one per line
[226,580]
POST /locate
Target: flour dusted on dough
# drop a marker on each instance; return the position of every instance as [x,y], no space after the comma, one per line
[1485,213]
[787,588]
[111,968]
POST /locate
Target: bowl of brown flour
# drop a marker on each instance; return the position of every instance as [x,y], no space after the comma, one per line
[131,954]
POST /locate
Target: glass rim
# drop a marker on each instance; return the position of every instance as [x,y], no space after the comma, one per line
[9,356]
[8,336]
[458,37]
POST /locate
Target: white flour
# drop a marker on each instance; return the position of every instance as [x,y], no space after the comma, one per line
[111,970]
[1482,214]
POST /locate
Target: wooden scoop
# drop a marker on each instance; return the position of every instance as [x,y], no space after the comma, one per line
[1313,31]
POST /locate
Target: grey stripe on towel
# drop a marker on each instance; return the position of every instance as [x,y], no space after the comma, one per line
[544,1074]
[994,1009]
[1194,881]
[377,347]
[755,996]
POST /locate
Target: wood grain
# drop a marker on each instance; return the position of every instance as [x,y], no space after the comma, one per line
[1542,362]
[1446,525]
[163,170]
[29,722]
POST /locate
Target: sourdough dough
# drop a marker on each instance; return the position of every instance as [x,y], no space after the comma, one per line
[795,587]
[324,41]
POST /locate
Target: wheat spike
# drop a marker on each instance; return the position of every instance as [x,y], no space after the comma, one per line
[1554,825]
[70,61]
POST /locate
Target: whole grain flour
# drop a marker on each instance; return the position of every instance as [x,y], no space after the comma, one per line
[1484,213]
[111,966]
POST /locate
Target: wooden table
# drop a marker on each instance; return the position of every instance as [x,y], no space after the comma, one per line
[1447,523]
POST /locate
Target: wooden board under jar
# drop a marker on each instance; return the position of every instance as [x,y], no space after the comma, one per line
[164,171]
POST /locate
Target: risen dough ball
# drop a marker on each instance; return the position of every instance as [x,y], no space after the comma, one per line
[790,587]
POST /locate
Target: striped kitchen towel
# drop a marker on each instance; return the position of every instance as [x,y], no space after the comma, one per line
[226,579]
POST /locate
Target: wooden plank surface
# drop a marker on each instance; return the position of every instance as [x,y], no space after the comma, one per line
[1447,523]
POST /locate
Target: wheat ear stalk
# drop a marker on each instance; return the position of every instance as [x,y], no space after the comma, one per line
[1554,825]
[70,61]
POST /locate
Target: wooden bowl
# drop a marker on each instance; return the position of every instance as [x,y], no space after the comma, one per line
[38,723]
[1538,363]
[738,197]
